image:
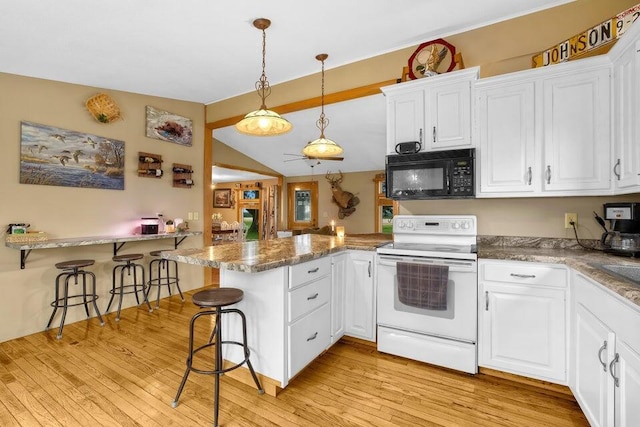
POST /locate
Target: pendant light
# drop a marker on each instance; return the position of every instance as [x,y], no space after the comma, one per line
[263,122]
[322,147]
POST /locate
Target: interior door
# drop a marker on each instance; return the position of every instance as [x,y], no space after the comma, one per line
[302,205]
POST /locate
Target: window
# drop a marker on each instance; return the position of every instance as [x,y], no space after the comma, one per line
[302,209]
[385,209]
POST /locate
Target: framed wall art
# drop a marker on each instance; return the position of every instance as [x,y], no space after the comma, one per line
[55,156]
[222,198]
[169,127]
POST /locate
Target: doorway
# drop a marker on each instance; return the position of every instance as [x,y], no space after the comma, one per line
[302,205]
[251,223]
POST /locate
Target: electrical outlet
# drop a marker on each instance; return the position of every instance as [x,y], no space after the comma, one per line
[196,216]
[569,218]
[190,216]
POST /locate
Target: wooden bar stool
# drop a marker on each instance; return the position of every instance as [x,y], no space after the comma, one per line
[132,288]
[213,300]
[163,276]
[73,270]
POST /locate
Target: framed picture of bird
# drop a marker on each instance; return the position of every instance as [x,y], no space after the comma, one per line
[168,126]
[54,156]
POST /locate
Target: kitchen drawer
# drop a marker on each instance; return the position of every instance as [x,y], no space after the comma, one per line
[308,337]
[307,271]
[307,298]
[523,272]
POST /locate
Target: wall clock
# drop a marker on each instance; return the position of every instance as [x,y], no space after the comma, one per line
[431,58]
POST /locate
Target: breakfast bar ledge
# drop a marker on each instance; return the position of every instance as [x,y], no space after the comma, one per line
[117,240]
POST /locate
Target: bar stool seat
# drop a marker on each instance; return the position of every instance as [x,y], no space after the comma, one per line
[212,301]
[132,288]
[73,270]
[163,277]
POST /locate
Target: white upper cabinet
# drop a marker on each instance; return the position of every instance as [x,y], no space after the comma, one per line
[577,111]
[448,115]
[435,111]
[545,132]
[626,108]
[506,137]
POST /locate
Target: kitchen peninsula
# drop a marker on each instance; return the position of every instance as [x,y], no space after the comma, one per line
[295,290]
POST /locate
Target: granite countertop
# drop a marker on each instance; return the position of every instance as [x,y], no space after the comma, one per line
[97,240]
[261,255]
[582,260]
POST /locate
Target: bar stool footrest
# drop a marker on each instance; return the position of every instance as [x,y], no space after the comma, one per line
[60,302]
[218,371]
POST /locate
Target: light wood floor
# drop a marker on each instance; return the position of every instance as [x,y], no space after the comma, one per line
[127,373]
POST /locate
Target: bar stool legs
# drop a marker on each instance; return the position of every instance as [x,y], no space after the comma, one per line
[163,277]
[73,269]
[132,288]
[215,299]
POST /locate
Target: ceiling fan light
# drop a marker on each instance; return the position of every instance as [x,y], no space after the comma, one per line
[322,147]
[263,123]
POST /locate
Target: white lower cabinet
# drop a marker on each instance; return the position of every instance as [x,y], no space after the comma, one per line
[309,317]
[522,319]
[605,355]
[338,284]
[360,309]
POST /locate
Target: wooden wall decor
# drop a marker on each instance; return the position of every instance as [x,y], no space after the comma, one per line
[182,177]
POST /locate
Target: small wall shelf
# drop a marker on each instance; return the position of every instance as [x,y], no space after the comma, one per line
[182,175]
[149,165]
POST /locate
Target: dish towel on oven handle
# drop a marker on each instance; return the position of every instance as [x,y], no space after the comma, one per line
[422,286]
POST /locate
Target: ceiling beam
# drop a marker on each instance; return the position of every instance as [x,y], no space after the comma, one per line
[345,95]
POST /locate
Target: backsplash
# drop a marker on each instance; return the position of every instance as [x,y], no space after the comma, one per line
[535,242]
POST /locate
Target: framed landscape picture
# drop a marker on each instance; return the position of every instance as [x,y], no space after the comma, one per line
[54,156]
[168,126]
[222,198]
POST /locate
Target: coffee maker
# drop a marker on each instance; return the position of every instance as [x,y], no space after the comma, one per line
[623,237]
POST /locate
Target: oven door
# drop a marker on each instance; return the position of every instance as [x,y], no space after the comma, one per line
[417,180]
[458,321]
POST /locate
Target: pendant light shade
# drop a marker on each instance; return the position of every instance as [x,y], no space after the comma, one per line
[322,147]
[263,122]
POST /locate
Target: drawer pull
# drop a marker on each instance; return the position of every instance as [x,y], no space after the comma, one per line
[314,270]
[312,337]
[312,297]
[604,347]
[523,276]
[486,300]
[616,380]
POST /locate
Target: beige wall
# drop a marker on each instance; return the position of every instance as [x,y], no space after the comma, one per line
[539,217]
[74,212]
[359,183]
[223,154]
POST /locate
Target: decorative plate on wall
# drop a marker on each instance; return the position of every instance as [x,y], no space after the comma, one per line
[431,58]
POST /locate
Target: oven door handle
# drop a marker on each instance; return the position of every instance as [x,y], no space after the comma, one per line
[391,261]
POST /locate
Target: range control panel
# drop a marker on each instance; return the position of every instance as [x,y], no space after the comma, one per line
[437,225]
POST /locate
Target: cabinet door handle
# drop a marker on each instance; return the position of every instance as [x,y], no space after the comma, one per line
[420,136]
[603,348]
[486,300]
[616,169]
[523,276]
[315,270]
[312,297]
[529,176]
[369,269]
[434,134]
[312,337]
[548,174]
[616,380]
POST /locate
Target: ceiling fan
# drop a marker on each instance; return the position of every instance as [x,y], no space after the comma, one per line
[303,157]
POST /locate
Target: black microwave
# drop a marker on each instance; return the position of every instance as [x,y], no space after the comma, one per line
[447,174]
